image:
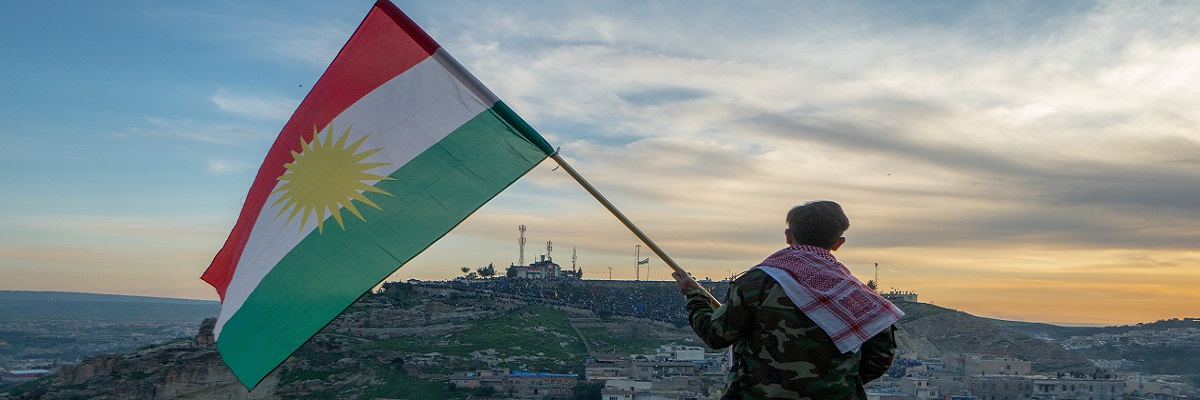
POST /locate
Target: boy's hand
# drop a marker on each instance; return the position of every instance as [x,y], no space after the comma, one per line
[685,281]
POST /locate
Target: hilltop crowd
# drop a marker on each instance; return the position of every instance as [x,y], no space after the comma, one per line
[657,300]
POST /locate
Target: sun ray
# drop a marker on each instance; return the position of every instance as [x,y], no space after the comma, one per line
[337,216]
[365,200]
[354,210]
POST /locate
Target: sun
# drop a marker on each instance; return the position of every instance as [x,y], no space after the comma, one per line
[326,176]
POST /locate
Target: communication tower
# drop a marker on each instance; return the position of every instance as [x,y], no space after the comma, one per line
[521,242]
[549,246]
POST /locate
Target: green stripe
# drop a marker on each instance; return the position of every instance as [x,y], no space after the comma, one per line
[326,272]
[523,128]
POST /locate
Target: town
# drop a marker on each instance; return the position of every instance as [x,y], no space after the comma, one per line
[540,332]
[689,372]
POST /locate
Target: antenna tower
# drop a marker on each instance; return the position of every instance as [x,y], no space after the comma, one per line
[574,256]
[549,246]
[521,241]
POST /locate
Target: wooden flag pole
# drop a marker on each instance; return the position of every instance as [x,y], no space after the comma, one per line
[628,224]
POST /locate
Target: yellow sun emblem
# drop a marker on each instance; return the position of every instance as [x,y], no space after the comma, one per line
[326,176]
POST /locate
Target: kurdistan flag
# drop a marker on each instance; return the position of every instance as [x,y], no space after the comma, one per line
[394,146]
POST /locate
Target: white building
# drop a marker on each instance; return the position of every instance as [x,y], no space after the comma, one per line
[680,353]
[1080,389]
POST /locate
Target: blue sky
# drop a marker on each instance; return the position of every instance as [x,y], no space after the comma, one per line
[1026,160]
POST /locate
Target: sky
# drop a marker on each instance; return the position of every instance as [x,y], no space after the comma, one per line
[1025,160]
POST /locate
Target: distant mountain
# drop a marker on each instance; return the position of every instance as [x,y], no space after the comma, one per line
[1063,332]
[35,305]
[929,331]
[1044,330]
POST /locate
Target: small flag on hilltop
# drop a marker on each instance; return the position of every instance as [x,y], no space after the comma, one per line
[394,146]
[643,262]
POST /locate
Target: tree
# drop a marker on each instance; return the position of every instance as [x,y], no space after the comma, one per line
[465,270]
[874,286]
[486,272]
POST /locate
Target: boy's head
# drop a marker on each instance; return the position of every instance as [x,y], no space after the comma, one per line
[817,223]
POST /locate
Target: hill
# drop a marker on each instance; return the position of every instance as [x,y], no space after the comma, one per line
[928,331]
[410,338]
[403,343]
[32,305]
[1055,332]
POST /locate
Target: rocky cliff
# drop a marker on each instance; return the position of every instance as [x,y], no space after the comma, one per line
[182,369]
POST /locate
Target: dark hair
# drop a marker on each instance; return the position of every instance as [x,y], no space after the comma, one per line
[817,223]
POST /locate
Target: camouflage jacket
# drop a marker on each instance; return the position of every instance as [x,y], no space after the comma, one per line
[778,352]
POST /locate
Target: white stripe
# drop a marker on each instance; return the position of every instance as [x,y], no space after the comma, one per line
[404,117]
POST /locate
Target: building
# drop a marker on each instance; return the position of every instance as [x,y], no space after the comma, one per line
[919,388]
[897,296]
[950,386]
[653,370]
[624,389]
[528,384]
[600,369]
[1001,387]
[934,366]
[681,388]
[541,269]
[680,353]
[1078,389]
[974,365]
[474,379]
[1155,387]
[674,372]
[883,395]
[540,384]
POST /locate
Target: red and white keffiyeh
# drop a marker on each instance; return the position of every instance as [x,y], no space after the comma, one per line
[830,295]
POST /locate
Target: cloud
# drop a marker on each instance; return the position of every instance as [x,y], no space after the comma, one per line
[219,166]
[160,256]
[313,38]
[274,108]
[142,271]
[216,133]
[178,228]
[966,140]
[1014,125]
[662,95]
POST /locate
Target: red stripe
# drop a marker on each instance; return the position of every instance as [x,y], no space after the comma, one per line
[385,44]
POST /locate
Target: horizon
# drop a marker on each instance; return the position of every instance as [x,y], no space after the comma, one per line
[1022,160]
[1062,324]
